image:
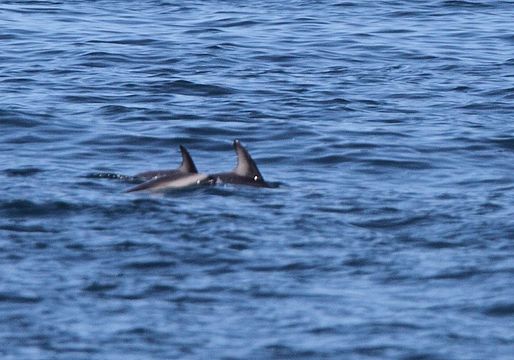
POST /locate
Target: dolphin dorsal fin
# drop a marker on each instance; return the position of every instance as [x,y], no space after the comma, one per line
[245,164]
[187,165]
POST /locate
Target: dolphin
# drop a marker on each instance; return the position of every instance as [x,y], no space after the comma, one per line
[187,166]
[245,172]
[159,180]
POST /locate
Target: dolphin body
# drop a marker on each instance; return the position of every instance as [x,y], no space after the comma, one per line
[160,180]
[245,172]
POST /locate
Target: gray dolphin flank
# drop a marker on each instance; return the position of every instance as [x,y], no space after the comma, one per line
[184,176]
[173,181]
[245,172]
[187,166]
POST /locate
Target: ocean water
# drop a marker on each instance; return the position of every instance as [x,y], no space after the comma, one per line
[388,125]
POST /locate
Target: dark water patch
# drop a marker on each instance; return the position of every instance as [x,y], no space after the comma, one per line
[261,293]
[132,42]
[117,109]
[7,37]
[392,222]
[18,80]
[376,350]
[149,265]
[190,299]
[399,164]
[206,30]
[359,262]
[91,64]
[212,130]
[277,58]
[499,92]
[238,246]
[460,4]
[434,244]
[26,228]
[85,99]
[128,246]
[345,4]
[28,139]
[486,181]
[22,172]
[150,335]
[17,119]
[100,287]
[104,57]
[294,266]
[488,105]
[335,101]
[500,310]
[357,145]
[279,351]
[28,208]
[404,13]
[243,23]
[505,142]
[70,349]
[185,87]
[161,289]
[19,299]
[457,274]
[330,159]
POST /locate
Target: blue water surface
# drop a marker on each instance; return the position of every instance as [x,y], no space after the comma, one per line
[388,125]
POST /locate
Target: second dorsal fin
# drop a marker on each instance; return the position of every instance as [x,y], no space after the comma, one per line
[187,162]
[245,164]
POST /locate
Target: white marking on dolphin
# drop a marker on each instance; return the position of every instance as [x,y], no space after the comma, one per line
[169,182]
